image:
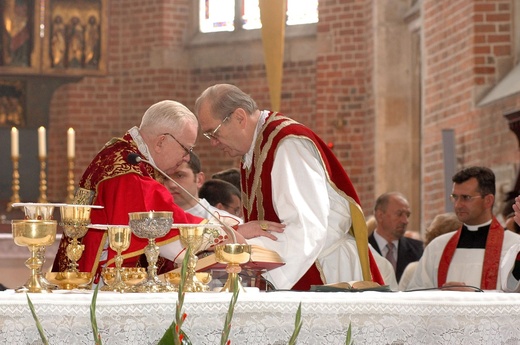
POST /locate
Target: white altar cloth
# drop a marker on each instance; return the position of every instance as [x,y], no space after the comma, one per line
[432,317]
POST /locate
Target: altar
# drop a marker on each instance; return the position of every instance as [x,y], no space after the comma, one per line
[428,317]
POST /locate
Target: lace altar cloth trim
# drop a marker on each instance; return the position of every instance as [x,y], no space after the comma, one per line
[268,318]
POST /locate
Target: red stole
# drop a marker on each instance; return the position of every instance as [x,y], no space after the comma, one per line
[494,242]
[256,182]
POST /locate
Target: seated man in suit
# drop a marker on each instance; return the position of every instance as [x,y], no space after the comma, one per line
[391,212]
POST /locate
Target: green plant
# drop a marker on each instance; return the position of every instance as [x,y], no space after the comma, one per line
[93,321]
[297,325]
[224,339]
[38,324]
[174,333]
[349,335]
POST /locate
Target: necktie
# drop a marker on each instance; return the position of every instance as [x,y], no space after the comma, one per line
[390,254]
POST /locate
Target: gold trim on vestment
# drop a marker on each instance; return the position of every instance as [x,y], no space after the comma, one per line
[358,227]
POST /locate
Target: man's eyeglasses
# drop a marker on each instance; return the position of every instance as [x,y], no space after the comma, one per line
[464,197]
[233,210]
[188,150]
[213,134]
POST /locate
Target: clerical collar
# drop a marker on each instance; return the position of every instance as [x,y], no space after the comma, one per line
[141,145]
[247,159]
[476,227]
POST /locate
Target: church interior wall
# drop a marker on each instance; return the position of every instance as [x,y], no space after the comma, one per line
[333,82]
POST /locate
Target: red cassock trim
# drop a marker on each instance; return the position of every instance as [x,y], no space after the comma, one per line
[494,242]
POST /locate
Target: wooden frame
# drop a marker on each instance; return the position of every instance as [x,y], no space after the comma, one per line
[13,110]
[32,32]
[81,21]
[67,27]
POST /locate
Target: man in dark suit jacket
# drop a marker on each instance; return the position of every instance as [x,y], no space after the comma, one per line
[391,212]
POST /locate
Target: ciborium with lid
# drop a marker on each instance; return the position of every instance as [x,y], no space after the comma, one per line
[151,225]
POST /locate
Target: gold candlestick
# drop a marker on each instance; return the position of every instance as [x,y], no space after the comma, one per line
[70,183]
[16,184]
[43,181]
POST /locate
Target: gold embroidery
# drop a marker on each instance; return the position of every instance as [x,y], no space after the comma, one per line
[83,197]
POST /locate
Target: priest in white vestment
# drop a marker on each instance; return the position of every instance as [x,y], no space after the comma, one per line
[473,256]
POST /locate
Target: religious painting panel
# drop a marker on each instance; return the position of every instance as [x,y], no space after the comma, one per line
[75,38]
[19,36]
[12,103]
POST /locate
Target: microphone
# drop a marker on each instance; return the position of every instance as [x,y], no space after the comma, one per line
[135,159]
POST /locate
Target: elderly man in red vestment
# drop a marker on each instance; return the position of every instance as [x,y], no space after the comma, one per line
[166,137]
[289,175]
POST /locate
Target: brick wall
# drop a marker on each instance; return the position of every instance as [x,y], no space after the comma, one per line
[466,50]
[465,42]
[343,88]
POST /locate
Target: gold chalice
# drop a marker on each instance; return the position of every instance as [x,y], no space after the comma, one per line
[130,275]
[191,236]
[151,225]
[75,219]
[233,255]
[70,280]
[119,240]
[175,277]
[40,211]
[34,234]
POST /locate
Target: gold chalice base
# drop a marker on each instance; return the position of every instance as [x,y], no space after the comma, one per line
[174,278]
[69,280]
[130,275]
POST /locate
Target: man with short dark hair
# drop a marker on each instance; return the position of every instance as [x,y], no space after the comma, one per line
[473,255]
[222,195]
[191,177]
[231,175]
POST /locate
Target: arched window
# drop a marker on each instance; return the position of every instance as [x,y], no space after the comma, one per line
[221,15]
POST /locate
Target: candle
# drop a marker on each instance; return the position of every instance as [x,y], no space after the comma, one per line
[15,153]
[42,146]
[71,143]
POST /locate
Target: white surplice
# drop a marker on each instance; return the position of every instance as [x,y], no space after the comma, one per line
[316,217]
[199,211]
[465,266]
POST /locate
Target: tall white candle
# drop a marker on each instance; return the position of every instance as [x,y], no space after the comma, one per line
[71,143]
[42,145]
[14,143]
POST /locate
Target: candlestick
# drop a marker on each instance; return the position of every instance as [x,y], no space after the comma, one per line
[15,152]
[70,183]
[43,181]
[71,143]
[42,145]
[15,185]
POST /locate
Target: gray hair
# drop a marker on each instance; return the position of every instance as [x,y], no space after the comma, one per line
[166,115]
[224,99]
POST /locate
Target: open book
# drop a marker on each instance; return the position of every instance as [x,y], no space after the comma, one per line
[261,259]
[353,286]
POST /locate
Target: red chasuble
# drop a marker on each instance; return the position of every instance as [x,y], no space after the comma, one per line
[121,188]
[257,192]
[494,242]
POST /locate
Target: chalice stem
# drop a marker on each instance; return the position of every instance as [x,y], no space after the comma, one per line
[119,261]
[34,264]
[152,254]
[233,270]
[192,263]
